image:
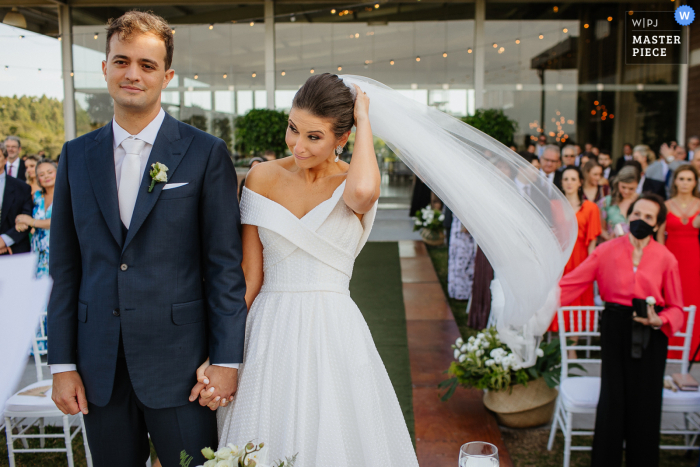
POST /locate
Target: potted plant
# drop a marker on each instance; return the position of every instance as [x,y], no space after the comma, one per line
[429,222]
[520,397]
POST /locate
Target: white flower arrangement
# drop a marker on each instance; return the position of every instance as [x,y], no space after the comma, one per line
[250,455]
[428,218]
[484,362]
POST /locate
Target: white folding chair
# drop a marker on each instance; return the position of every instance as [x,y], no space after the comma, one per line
[579,394]
[22,412]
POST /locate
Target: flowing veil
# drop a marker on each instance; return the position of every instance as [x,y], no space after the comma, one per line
[524,225]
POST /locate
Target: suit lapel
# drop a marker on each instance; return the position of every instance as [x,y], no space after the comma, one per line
[7,198]
[100,162]
[169,150]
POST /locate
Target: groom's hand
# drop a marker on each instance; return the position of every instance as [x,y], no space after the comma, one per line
[223,383]
[69,393]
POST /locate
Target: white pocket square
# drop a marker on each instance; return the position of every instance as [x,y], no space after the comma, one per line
[170,186]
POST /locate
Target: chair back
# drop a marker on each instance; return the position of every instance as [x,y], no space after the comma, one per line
[36,340]
[584,322]
[687,335]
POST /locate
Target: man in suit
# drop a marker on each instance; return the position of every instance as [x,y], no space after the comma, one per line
[14,167]
[146,267]
[550,162]
[15,199]
[626,157]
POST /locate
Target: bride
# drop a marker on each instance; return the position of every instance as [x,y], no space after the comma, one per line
[312,382]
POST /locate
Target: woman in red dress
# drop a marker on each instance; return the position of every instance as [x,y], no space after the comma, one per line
[680,235]
[588,217]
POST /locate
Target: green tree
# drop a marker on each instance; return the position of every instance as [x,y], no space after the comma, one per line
[222,129]
[197,121]
[494,123]
[260,130]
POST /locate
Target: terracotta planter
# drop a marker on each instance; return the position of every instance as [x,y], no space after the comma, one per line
[524,406]
[432,237]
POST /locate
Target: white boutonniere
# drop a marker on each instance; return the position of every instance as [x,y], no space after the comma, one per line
[158,175]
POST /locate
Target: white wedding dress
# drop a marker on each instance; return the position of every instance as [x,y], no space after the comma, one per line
[312,381]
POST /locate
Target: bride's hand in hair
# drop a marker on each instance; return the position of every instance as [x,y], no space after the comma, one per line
[361,104]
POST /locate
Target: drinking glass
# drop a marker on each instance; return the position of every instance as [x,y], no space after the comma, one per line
[478,454]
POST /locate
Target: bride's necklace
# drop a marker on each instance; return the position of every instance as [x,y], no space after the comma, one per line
[685,215]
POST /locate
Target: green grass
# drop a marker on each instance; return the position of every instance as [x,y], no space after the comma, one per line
[376,288]
[459,307]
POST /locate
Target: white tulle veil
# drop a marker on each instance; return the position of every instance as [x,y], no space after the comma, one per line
[524,225]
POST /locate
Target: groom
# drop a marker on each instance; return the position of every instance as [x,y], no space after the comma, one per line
[146,265]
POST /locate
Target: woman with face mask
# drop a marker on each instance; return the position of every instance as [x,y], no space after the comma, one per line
[634,349]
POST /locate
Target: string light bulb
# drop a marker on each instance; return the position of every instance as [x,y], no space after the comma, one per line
[517,41]
[211,26]
[541,36]
[71,73]
[376,6]
[495,45]
[391,62]
[556,9]
[59,38]
[254,74]
[609,18]
[283,73]
[340,68]
[196,76]
[469,50]
[173,31]
[333,11]
[312,71]
[444,54]
[225,75]
[565,30]
[96,35]
[418,59]
[252,23]
[585,26]
[21,37]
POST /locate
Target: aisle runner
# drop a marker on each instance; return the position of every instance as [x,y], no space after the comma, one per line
[376,288]
[440,427]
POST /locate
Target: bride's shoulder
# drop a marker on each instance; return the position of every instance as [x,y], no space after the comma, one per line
[263,177]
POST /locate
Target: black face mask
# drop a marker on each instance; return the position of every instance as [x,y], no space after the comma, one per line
[641,229]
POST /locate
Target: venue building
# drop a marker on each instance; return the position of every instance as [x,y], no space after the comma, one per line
[556,67]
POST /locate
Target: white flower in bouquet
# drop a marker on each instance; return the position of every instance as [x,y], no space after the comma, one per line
[459,342]
[418,222]
[227,463]
[479,353]
[480,335]
[208,453]
[441,218]
[462,358]
[224,453]
[258,456]
[490,362]
[464,348]
[235,450]
[457,354]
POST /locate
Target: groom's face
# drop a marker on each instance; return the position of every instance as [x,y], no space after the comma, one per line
[135,71]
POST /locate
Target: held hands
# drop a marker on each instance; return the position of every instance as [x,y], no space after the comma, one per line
[361,104]
[652,318]
[216,385]
[69,393]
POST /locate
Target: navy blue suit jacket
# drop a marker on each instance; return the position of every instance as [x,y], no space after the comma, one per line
[17,199]
[172,283]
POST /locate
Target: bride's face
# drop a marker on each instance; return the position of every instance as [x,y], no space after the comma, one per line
[310,139]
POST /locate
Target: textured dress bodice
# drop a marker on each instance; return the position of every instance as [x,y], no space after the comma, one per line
[316,252]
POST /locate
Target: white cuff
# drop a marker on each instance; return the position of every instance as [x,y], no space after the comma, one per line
[227,365]
[62,368]
[7,239]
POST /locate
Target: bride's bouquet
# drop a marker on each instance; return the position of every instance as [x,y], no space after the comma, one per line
[250,455]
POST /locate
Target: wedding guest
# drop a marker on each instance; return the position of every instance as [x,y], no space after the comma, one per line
[662,169]
[30,163]
[460,261]
[593,190]
[541,144]
[15,199]
[626,157]
[14,165]
[531,148]
[613,207]
[693,144]
[536,162]
[680,235]
[644,156]
[269,155]
[583,158]
[568,156]
[605,162]
[588,147]
[550,160]
[695,162]
[633,348]
[40,220]
[588,218]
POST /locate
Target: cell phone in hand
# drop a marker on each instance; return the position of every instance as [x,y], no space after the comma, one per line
[640,307]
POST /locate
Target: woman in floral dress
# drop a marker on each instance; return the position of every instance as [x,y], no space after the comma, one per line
[40,221]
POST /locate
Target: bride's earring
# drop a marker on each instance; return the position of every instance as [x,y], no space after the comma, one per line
[338,152]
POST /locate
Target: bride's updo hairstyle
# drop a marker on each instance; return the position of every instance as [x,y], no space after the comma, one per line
[326,96]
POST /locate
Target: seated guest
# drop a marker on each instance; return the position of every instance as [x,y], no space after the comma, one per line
[605,162]
[15,199]
[40,220]
[633,348]
[613,208]
[592,189]
[588,218]
[626,157]
[30,163]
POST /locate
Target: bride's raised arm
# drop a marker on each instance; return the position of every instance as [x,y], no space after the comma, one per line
[363,180]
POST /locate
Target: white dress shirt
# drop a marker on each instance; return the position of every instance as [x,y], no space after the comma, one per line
[640,186]
[5,238]
[606,173]
[148,135]
[15,168]
[549,177]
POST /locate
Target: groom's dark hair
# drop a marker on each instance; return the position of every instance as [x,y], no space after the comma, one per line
[140,22]
[326,96]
